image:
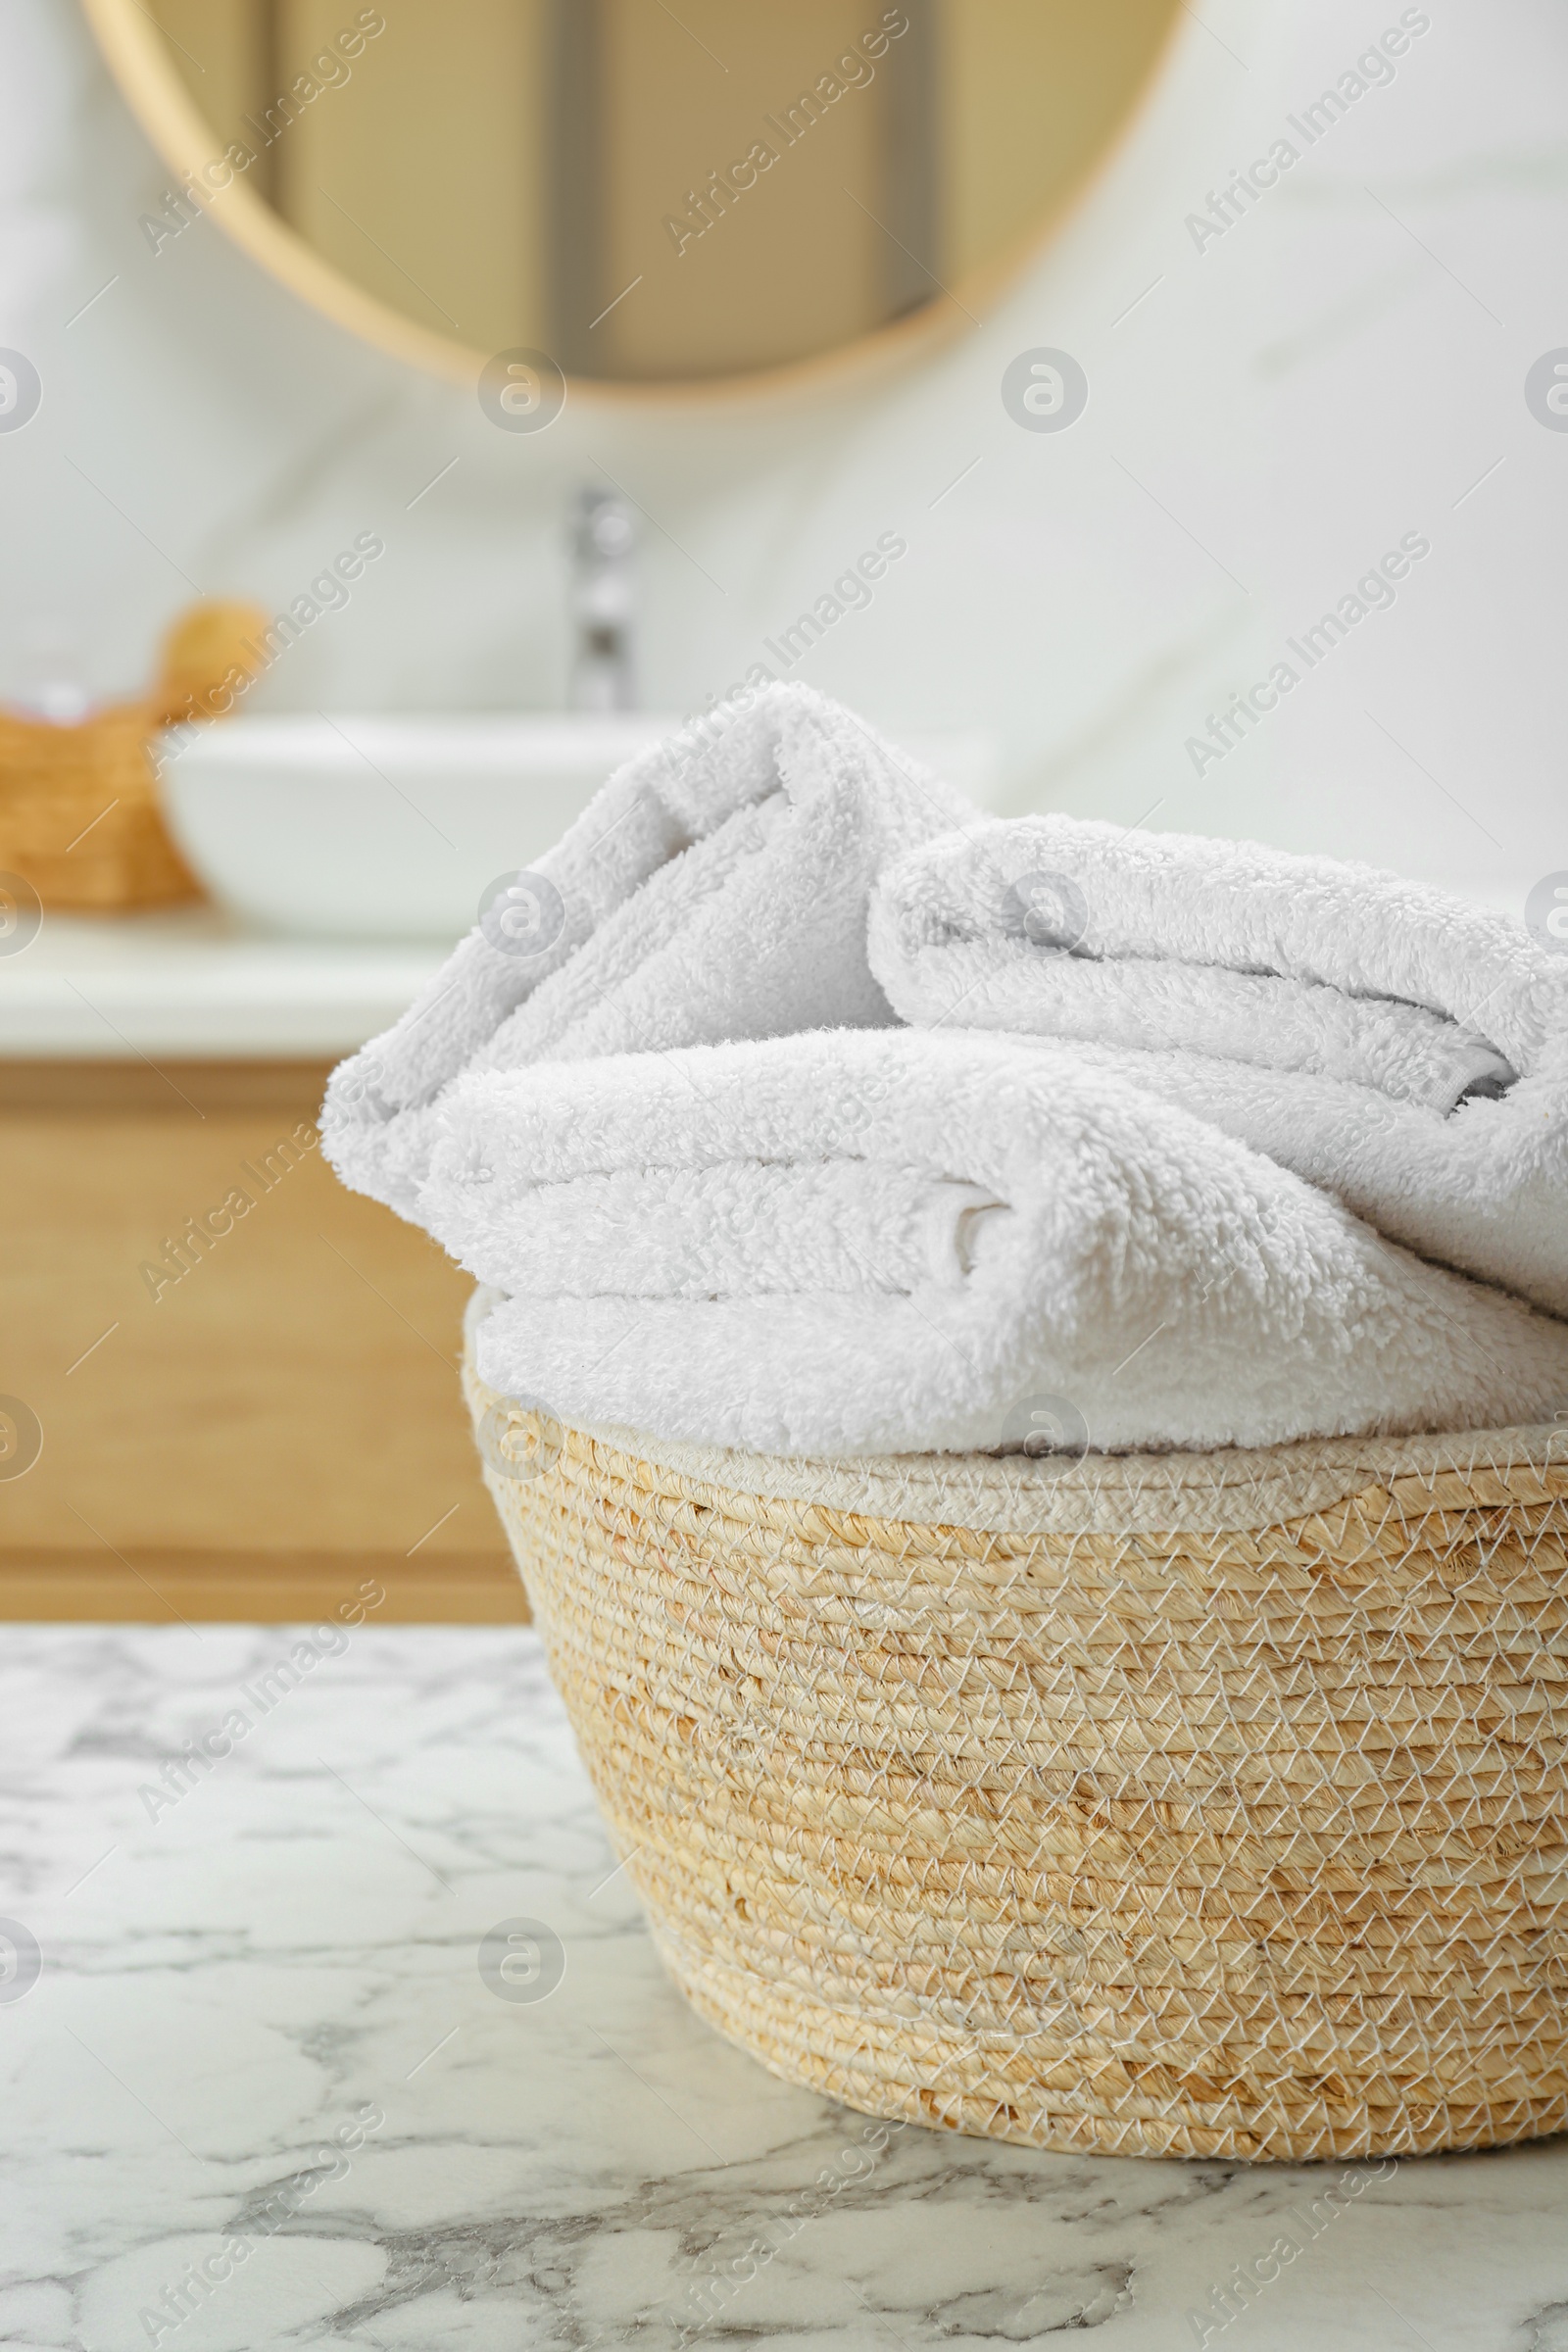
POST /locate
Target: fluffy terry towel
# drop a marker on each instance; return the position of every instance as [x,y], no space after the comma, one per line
[715,888]
[660,1101]
[894,1241]
[1402,1050]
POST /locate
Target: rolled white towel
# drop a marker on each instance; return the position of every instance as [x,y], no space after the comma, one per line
[875,1242]
[715,888]
[1397,1047]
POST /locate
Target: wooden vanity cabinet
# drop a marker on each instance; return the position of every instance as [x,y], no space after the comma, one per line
[245,1377]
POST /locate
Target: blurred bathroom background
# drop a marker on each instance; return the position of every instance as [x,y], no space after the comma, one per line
[1269,408]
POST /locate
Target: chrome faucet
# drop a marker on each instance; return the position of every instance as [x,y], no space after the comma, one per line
[601,544]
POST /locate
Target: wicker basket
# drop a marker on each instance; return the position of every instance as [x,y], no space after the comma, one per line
[80,824]
[79,819]
[1200,1805]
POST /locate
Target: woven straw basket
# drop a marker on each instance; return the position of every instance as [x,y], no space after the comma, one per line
[1197,1805]
[78,812]
[82,827]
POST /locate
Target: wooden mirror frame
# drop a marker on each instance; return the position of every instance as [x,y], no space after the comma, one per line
[132,46]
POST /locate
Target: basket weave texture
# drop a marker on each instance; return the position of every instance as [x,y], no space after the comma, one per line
[1246,1838]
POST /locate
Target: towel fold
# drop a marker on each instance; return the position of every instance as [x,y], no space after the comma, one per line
[859,1242]
[1386,1042]
[715,888]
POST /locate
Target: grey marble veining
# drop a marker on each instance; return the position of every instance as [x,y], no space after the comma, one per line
[262,2040]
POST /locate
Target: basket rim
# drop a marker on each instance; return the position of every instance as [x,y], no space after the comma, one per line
[1231,1490]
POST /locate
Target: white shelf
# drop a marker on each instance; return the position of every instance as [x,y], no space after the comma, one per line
[194,984]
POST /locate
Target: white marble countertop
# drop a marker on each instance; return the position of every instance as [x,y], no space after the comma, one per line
[262,2025]
[193,983]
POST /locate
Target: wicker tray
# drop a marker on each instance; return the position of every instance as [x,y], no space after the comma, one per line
[1198,1805]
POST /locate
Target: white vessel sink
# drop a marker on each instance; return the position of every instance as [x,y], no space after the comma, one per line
[393,828]
[382,828]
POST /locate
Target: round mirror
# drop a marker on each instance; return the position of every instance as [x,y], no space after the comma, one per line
[630,191]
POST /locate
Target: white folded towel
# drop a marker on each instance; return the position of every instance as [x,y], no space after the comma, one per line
[1402,1050]
[657,1100]
[715,888]
[872,1242]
